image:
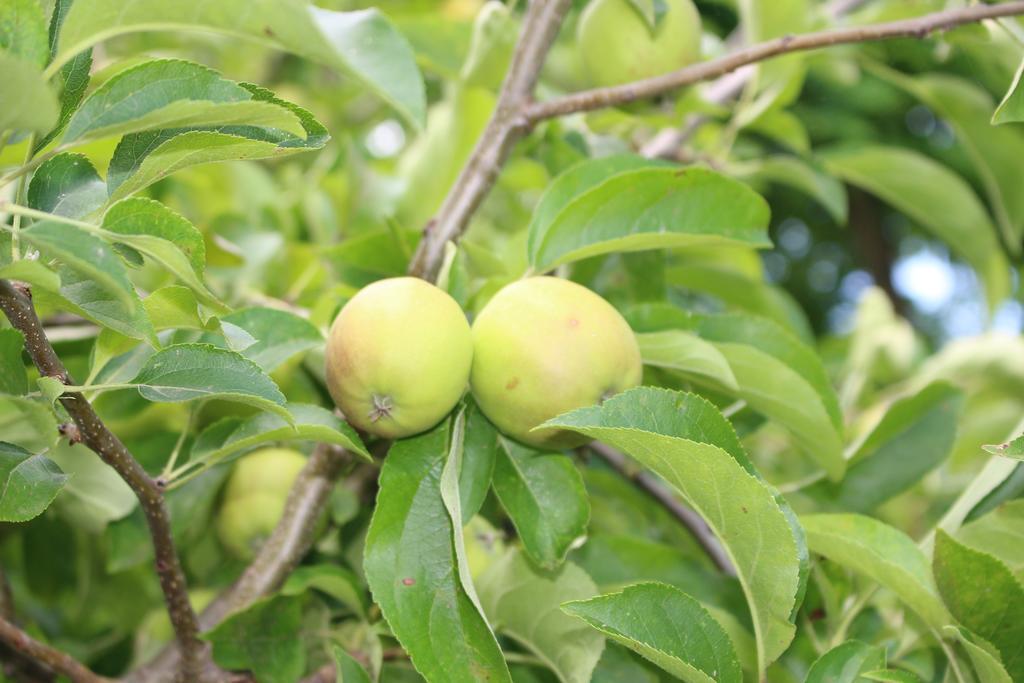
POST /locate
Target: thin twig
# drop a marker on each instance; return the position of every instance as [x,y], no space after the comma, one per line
[659,492]
[289,542]
[16,304]
[60,662]
[918,27]
[507,125]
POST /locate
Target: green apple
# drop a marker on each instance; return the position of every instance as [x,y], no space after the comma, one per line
[618,46]
[544,346]
[484,545]
[398,357]
[254,498]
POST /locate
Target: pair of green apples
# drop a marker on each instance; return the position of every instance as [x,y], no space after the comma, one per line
[401,353]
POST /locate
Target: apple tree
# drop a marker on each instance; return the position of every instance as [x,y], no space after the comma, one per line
[533,341]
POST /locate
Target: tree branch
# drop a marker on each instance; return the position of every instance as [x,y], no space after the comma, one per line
[918,27]
[652,486]
[16,304]
[506,126]
[60,662]
[290,540]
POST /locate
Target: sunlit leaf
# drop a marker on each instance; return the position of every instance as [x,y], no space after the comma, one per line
[544,496]
[980,592]
[29,103]
[885,554]
[666,626]
[693,448]
[524,603]
[410,565]
[171,93]
[67,185]
[651,208]
[845,663]
[28,483]
[185,372]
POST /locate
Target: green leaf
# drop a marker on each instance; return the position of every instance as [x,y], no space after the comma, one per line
[480,449]
[67,185]
[687,354]
[27,423]
[544,496]
[32,272]
[881,552]
[310,423]
[86,254]
[29,103]
[999,533]
[23,31]
[13,379]
[742,292]
[666,626]
[1012,449]
[82,295]
[140,216]
[994,151]
[263,640]
[846,663]
[652,208]
[366,45]
[915,436]
[73,76]
[983,595]
[410,564]
[51,388]
[800,175]
[94,494]
[686,441]
[163,236]
[129,173]
[784,379]
[934,197]
[171,93]
[335,581]
[775,341]
[984,658]
[576,181]
[362,44]
[349,670]
[998,480]
[143,158]
[1011,109]
[28,483]
[279,335]
[524,602]
[777,81]
[175,307]
[185,372]
[615,561]
[619,665]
